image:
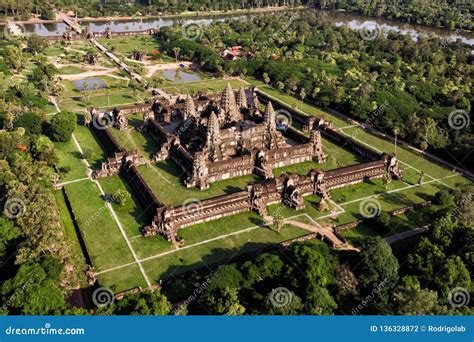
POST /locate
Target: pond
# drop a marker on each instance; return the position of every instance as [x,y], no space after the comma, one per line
[92,84]
[356,22]
[57,29]
[180,76]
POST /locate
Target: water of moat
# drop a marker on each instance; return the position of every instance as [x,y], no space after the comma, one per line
[353,21]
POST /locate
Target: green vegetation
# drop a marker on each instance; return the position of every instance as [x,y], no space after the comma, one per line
[165,179]
[62,125]
[393,83]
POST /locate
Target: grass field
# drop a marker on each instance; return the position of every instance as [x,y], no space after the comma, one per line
[166,181]
[217,241]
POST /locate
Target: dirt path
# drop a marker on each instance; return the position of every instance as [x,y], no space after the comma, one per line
[153,68]
[75,77]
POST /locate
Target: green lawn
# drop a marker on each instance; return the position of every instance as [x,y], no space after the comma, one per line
[216,251]
[123,279]
[125,45]
[102,236]
[166,181]
[209,86]
[70,157]
[87,141]
[131,215]
[118,91]
[69,70]
[131,139]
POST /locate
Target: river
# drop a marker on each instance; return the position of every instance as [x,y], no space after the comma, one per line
[351,20]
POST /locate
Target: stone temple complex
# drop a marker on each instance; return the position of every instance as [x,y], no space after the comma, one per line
[213,137]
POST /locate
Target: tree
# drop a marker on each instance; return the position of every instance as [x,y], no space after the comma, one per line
[265,266]
[36,44]
[425,260]
[314,263]
[143,303]
[222,301]
[87,154]
[31,122]
[453,273]
[443,198]
[13,57]
[63,125]
[278,223]
[266,78]
[8,233]
[378,264]
[33,291]
[292,305]
[319,301]
[121,196]
[383,218]
[409,298]
[176,51]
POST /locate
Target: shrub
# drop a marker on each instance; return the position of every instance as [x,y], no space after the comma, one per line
[121,196]
[86,153]
[443,198]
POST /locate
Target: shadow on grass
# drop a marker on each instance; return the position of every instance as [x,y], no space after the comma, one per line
[179,280]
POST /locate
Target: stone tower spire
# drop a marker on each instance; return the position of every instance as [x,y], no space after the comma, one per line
[241,98]
[213,137]
[189,108]
[269,122]
[269,117]
[228,107]
[315,140]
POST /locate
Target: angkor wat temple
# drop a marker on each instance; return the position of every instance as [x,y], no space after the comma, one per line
[213,137]
[218,137]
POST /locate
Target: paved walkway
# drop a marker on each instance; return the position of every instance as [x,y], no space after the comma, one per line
[325,233]
[406,234]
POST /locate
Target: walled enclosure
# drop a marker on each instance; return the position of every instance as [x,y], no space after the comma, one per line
[220,136]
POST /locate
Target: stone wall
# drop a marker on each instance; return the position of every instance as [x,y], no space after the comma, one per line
[107,141]
[147,199]
[258,196]
[352,145]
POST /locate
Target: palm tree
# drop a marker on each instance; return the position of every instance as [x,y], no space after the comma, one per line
[176,51]
[302,95]
[396,131]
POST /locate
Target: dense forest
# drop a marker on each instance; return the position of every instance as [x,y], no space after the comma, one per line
[418,84]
